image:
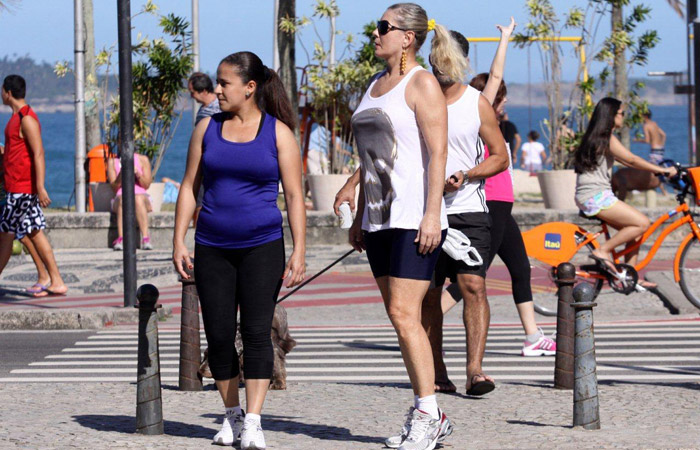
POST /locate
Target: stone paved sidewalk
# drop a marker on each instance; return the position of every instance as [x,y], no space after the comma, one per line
[352,416]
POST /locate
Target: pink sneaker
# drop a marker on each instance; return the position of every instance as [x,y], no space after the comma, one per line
[118,244]
[146,244]
[544,346]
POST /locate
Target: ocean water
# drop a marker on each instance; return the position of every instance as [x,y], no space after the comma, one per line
[58,136]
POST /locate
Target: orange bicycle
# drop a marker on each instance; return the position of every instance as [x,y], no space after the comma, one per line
[553,243]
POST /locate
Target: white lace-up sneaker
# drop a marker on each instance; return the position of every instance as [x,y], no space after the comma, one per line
[396,441]
[424,433]
[446,427]
[230,430]
[252,437]
[544,346]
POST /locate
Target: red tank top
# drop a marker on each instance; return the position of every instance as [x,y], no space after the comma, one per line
[20,176]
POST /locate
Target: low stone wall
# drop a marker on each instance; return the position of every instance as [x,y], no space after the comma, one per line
[98,230]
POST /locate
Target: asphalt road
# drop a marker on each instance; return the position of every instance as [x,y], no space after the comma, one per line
[19,348]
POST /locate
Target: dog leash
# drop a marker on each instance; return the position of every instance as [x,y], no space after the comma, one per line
[316,276]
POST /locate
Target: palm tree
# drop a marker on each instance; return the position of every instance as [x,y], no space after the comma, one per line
[286,46]
[620,62]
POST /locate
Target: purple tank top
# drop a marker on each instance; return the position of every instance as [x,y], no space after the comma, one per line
[240,182]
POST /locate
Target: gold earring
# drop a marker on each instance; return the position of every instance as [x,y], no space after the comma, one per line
[402,67]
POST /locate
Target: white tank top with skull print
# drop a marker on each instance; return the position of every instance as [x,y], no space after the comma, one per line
[393,160]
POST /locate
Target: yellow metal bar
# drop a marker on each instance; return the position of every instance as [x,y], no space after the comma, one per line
[547,39]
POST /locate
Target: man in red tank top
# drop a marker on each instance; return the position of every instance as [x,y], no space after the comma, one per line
[25,171]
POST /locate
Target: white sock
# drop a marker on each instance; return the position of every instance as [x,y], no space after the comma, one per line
[250,417]
[429,406]
[415,401]
[234,411]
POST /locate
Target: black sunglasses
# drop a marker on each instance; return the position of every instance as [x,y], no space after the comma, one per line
[383,27]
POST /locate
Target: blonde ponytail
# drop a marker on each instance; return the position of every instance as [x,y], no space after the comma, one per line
[447,56]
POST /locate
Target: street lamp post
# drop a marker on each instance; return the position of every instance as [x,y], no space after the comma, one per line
[126,150]
[79,107]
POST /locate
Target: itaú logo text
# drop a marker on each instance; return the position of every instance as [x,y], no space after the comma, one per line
[552,241]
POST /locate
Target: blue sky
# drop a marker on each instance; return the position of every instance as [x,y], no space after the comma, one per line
[43,29]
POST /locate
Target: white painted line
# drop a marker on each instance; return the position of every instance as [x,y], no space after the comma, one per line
[503,359]
[648,338]
[489,344]
[115,349]
[86,371]
[110,356]
[491,369]
[174,362]
[376,379]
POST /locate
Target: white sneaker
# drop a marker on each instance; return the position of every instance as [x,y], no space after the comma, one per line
[396,441]
[230,430]
[446,427]
[424,434]
[544,346]
[252,437]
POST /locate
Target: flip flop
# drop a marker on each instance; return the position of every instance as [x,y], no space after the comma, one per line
[607,264]
[481,387]
[446,387]
[36,288]
[49,293]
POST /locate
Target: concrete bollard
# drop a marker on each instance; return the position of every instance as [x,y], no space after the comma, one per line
[149,405]
[586,405]
[564,359]
[190,351]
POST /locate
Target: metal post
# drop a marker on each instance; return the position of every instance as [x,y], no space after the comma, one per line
[564,360]
[190,351]
[79,107]
[195,50]
[126,150]
[586,405]
[696,72]
[149,404]
[690,17]
[275,42]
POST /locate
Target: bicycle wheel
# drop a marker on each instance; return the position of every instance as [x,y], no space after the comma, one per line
[544,287]
[690,272]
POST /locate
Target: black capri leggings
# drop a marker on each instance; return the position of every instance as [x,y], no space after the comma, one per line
[507,242]
[249,278]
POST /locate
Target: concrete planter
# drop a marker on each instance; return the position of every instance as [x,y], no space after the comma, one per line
[558,188]
[155,190]
[323,189]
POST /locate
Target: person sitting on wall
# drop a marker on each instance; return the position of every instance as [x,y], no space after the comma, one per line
[143,179]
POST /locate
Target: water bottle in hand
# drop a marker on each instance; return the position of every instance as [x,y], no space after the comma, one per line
[345,216]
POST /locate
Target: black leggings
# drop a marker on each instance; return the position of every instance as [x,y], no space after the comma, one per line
[507,242]
[249,278]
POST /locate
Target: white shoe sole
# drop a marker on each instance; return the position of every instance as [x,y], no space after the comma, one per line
[252,446]
[222,442]
[538,353]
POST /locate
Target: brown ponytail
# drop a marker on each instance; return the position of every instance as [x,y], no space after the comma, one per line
[270,94]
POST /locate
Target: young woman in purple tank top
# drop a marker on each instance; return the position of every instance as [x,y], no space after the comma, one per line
[239,157]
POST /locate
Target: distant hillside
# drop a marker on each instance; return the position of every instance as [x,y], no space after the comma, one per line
[47,92]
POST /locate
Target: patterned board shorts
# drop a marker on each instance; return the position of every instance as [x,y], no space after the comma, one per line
[597,203]
[22,215]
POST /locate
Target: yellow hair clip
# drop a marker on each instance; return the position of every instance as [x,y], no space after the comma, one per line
[431,25]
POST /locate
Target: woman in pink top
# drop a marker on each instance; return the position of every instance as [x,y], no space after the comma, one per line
[142,174]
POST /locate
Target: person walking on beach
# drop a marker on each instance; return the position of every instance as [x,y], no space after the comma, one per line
[240,155]
[533,153]
[472,123]
[25,173]
[400,127]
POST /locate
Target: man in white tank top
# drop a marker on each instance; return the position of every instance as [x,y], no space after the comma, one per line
[472,123]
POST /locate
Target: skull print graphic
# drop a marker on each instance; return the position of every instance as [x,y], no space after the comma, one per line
[376,143]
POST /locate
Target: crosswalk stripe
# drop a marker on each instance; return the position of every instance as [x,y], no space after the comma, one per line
[654,351]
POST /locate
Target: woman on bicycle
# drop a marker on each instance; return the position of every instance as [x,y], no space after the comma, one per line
[593,162]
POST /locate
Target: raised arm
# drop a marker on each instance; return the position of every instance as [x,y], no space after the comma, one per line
[499,62]
[290,171]
[32,133]
[431,114]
